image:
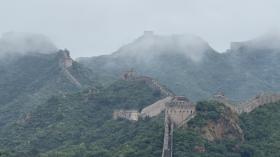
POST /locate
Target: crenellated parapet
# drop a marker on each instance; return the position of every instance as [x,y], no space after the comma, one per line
[131,75]
[132,115]
[220,97]
[179,109]
[258,101]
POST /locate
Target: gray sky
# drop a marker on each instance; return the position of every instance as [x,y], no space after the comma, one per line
[94,27]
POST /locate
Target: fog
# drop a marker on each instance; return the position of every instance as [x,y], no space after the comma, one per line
[94,27]
[151,45]
[269,40]
[22,43]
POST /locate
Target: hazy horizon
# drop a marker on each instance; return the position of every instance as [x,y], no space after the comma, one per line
[91,27]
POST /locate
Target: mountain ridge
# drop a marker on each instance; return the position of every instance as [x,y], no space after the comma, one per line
[239,69]
[28,80]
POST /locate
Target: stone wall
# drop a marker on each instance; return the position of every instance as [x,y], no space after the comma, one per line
[179,109]
[258,101]
[67,60]
[132,115]
[154,84]
[156,108]
[167,149]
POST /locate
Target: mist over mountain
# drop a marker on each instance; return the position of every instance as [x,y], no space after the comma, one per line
[22,43]
[52,105]
[190,67]
[29,79]
[151,45]
[79,79]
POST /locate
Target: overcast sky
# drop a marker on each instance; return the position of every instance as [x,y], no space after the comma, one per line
[94,27]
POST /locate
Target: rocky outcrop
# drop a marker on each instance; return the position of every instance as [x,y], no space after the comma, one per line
[221,123]
[221,129]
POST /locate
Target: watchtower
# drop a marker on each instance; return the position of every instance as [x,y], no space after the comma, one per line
[129,75]
[179,109]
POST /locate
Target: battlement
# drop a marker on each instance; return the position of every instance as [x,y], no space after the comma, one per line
[179,101]
[258,101]
[132,115]
[177,112]
[179,109]
[129,75]
[220,97]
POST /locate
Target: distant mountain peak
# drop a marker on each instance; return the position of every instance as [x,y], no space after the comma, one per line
[269,40]
[150,44]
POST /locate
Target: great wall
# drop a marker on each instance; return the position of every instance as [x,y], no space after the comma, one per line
[65,63]
[250,105]
[179,110]
[257,101]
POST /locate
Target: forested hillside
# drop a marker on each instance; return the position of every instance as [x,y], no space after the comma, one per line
[189,66]
[52,105]
[81,124]
[28,80]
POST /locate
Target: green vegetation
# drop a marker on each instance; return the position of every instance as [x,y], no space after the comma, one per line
[207,110]
[44,114]
[190,142]
[81,125]
[29,80]
[47,116]
[262,131]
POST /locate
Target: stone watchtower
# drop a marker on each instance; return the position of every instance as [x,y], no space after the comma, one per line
[220,97]
[129,75]
[66,61]
[179,109]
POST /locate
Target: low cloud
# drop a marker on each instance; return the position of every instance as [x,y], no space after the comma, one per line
[150,45]
[23,43]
